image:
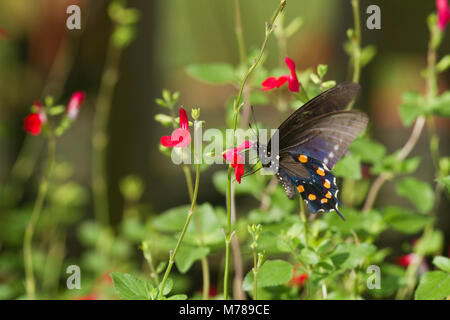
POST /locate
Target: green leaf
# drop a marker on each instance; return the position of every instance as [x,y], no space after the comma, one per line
[411,107]
[434,285]
[443,64]
[308,256]
[322,70]
[349,255]
[349,167]
[272,273]
[164,119]
[56,110]
[418,192]
[368,150]
[167,287]
[172,219]
[445,181]
[442,263]
[213,73]
[130,288]
[367,54]
[441,105]
[430,244]
[187,255]
[404,220]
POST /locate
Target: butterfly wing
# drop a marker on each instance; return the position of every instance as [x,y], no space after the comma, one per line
[334,99]
[326,138]
[312,140]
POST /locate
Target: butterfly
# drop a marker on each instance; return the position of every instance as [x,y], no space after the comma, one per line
[311,141]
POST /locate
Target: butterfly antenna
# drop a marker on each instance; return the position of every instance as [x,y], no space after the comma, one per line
[340,214]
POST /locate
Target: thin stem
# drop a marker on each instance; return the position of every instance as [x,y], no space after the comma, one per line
[183,232]
[204,260]
[236,108]
[30,283]
[239,33]
[356,42]
[100,137]
[255,273]
[304,220]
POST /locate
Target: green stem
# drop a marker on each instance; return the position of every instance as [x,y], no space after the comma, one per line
[236,108]
[30,283]
[255,273]
[100,137]
[183,232]
[304,220]
[204,260]
[239,34]
[356,42]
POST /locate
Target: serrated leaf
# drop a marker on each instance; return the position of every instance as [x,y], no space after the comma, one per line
[418,192]
[434,285]
[129,287]
[272,273]
[213,73]
[442,263]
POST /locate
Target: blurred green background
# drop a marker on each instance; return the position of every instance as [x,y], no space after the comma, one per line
[42,57]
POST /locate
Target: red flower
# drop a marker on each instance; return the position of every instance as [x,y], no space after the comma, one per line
[181,137]
[74,104]
[273,82]
[298,280]
[443,13]
[236,159]
[406,260]
[34,121]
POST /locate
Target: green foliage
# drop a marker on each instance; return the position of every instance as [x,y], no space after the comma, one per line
[433,285]
[129,287]
[418,192]
[404,220]
[272,273]
[213,73]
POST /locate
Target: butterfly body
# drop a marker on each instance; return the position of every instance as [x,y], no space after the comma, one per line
[311,141]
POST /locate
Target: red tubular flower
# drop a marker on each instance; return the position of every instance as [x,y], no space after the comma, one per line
[299,280]
[406,260]
[34,121]
[292,80]
[443,13]
[236,159]
[74,104]
[181,137]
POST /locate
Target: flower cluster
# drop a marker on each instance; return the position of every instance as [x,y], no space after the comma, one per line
[236,159]
[181,137]
[34,122]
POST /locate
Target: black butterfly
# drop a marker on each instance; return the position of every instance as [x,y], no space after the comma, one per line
[311,141]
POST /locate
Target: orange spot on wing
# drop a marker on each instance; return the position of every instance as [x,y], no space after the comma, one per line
[302,158]
[300,188]
[312,197]
[320,172]
[326,184]
[328,195]
[324,200]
